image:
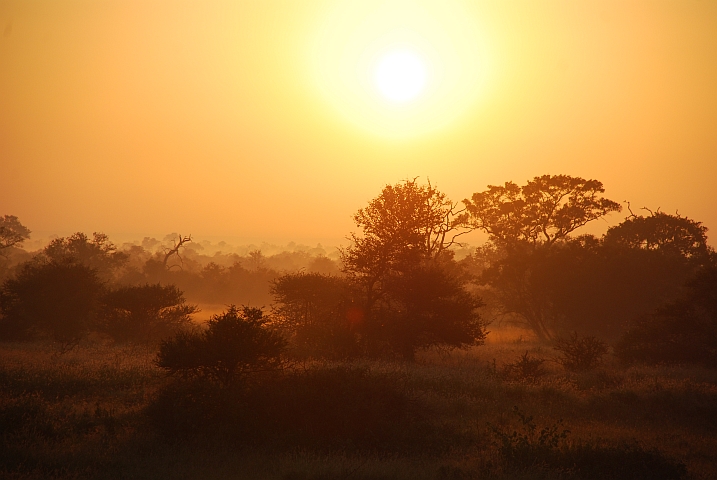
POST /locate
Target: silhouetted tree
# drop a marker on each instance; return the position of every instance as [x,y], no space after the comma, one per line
[318,313]
[406,232]
[12,232]
[236,344]
[55,298]
[98,253]
[525,223]
[173,251]
[406,224]
[144,313]
[669,234]
[543,211]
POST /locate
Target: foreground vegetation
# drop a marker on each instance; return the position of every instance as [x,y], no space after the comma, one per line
[102,411]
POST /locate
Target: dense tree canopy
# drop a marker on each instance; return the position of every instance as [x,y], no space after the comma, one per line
[98,253]
[669,234]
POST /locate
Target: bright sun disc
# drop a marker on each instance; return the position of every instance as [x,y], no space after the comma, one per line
[400,76]
[399,68]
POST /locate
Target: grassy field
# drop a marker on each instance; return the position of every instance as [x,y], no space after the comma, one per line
[87,413]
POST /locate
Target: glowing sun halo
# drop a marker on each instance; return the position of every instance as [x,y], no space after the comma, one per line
[400,75]
[398,68]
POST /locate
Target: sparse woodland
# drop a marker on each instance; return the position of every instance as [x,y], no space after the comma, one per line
[542,354]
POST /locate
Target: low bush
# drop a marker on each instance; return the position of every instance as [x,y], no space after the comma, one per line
[236,344]
[580,354]
[525,368]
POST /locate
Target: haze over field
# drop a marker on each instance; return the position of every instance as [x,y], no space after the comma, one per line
[267,120]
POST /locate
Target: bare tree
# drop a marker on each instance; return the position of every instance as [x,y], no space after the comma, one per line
[169,252]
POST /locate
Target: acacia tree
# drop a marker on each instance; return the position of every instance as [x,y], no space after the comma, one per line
[406,232]
[545,210]
[525,222]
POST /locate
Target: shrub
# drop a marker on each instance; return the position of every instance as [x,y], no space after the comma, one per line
[579,354]
[236,344]
[144,313]
[525,368]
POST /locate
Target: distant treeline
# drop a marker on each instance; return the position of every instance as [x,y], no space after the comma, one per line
[646,284]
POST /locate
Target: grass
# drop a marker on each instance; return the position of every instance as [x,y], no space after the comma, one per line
[85,414]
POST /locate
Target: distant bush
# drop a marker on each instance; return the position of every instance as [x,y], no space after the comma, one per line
[579,354]
[144,313]
[236,344]
[525,368]
[680,332]
[57,299]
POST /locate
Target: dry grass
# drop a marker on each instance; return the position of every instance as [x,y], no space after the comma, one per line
[81,414]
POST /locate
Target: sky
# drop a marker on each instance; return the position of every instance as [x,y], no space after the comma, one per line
[263,120]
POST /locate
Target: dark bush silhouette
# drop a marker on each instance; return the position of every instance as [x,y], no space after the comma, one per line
[144,313]
[580,354]
[581,284]
[525,368]
[236,344]
[316,311]
[683,331]
[58,299]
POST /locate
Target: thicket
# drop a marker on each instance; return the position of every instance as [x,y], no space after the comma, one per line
[682,331]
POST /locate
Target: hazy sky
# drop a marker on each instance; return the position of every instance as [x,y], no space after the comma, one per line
[261,120]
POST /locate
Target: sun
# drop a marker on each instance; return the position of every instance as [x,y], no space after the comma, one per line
[400,75]
[398,68]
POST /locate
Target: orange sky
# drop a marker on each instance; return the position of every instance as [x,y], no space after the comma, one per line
[240,120]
